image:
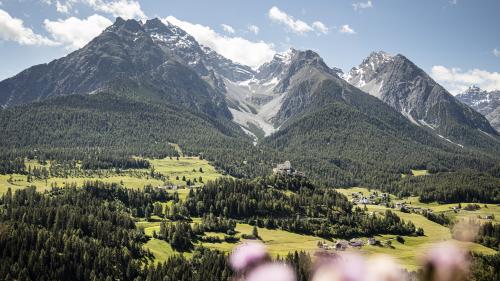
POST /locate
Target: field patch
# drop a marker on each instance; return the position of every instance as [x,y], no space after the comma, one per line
[278,242]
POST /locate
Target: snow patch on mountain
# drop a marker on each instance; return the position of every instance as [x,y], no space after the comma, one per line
[422,121]
[406,113]
[450,141]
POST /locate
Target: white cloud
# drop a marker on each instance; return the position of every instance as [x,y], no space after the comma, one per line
[127,9]
[320,27]
[456,80]
[64,8]
[237,49]
[347,29]
[13,29]
[227,28]
[294,25]
[362,5]
[74,33]
[254,29]
[496,52]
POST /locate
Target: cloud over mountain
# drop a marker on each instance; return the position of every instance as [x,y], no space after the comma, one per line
[73,32]
[457,80]
[295,25]
[236,48]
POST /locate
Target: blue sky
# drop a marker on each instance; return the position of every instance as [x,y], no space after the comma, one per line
[456,42]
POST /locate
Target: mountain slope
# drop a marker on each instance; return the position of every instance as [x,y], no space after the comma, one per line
[408,89]
[484,102]
[122,50]
[346,137]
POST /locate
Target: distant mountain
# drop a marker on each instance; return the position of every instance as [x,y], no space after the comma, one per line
[484,102]
[408,89]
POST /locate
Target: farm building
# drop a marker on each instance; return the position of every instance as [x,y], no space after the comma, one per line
[341,245]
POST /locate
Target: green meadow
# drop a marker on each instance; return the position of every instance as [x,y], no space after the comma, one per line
[175,169]
[407,253]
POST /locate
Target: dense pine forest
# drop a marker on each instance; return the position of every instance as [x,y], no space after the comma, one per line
[96,130]
[308,209]
[451,187]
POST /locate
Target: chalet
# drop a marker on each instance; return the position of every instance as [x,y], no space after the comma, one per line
[341,245]
[356,243]
[488,217]
[372,241]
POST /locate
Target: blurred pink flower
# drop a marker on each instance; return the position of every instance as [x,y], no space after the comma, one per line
[273,271]
[345,267]
[247,254]
[445,262]
[384,268]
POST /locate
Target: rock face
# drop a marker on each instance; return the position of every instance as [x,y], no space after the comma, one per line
[485,102]
[408,89]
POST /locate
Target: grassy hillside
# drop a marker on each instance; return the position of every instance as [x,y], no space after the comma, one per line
[280,242]
[188,167]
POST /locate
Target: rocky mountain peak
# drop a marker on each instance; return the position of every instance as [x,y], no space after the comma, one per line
[121,25]
[397,81]
[485,102]
[361,74]
[474,88]
[378,58]
[287,63]
[154,23]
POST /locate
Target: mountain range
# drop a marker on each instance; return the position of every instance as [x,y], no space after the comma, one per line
[139,86]
[485,102]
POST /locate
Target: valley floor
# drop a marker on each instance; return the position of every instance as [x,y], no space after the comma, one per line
[279,242]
